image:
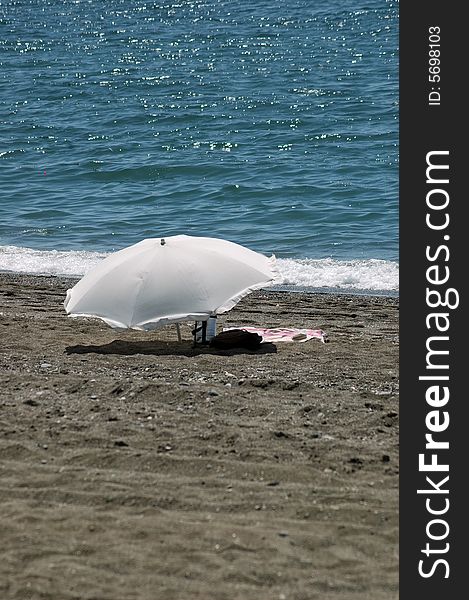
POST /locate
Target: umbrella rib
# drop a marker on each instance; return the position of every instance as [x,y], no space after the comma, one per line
[141,286]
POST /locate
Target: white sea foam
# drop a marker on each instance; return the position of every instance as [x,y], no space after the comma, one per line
[74,263]
[370,275]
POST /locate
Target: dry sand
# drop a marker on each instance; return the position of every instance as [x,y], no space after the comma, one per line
[134,467]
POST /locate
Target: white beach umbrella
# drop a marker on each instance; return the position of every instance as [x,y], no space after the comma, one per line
[159,281]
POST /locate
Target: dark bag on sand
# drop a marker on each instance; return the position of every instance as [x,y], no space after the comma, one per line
[236,338]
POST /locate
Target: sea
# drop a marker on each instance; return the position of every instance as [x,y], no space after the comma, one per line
[270,123]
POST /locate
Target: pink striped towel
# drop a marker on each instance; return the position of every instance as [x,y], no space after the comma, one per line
[284,334]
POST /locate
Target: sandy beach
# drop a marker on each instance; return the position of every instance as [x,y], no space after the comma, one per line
[134,467]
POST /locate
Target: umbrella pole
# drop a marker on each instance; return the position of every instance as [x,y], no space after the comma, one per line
[178,332]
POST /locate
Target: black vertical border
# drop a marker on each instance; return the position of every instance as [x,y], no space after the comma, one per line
[424,128]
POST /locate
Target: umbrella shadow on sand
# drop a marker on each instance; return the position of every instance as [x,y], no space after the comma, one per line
[160,348]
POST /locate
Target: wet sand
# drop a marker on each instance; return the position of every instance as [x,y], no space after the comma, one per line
[135,467]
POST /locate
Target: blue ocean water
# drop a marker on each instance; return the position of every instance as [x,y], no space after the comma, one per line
[271,123]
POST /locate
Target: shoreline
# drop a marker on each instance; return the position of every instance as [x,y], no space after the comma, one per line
[135,465]
[275,288]
[335,291]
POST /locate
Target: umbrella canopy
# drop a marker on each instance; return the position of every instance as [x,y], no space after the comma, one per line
[159,281]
